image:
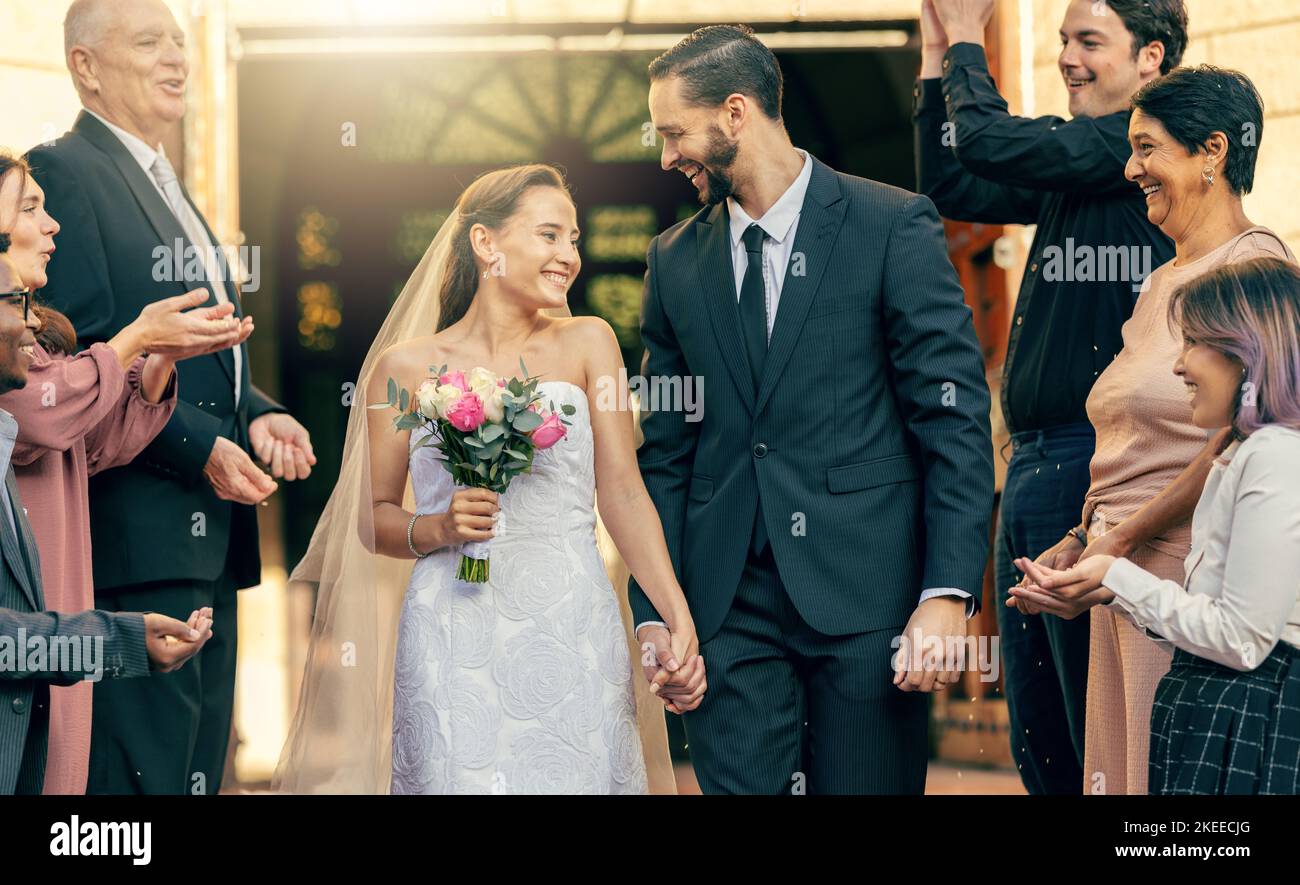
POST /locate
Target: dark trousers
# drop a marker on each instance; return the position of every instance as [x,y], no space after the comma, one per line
[789,709]
[1045,658]
[167,734]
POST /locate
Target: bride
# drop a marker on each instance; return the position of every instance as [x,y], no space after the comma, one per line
[418,683]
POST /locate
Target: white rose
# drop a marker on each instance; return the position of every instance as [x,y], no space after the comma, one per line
[425,397]
[480,377]
[442,399]
[494,410]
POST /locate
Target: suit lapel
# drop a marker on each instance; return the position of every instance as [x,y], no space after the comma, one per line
[13,546]
[713,256]
[165,224]
[819,223]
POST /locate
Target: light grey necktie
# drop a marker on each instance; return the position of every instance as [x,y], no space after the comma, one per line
[189,220]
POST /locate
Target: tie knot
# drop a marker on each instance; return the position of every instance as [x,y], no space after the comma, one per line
[753,238]
[163,171]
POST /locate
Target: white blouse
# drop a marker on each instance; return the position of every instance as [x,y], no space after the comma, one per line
[1242,593]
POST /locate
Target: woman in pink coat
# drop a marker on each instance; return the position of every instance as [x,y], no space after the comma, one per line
[79,414]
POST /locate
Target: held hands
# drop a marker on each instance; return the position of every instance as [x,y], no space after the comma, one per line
[282,444]
[170,643]
[171,327]
[234,476]
[1067,593]
[673,666]
[922,662]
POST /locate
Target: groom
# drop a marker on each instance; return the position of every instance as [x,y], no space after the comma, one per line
[837,492]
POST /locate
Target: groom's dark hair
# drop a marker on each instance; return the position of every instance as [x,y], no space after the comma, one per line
[719,60]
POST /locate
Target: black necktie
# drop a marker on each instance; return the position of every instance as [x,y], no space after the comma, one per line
[753,303]
[753,321]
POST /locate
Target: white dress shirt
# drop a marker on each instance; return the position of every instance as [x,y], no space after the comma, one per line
[187,217]
[780,222]
[1242,591]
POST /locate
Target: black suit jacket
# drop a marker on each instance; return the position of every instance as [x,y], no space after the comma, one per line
[868,442]
[156,519]
[24,623]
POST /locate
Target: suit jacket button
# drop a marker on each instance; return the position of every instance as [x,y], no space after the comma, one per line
[19,705]
[760,450]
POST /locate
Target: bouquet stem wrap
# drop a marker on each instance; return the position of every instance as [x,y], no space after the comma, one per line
[475,558]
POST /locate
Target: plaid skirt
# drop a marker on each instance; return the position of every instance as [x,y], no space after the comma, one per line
[1215,730]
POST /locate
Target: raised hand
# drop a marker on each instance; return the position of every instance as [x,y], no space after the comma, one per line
[963,20]
[170,643]
[282,444]
[234,476]
[932,32]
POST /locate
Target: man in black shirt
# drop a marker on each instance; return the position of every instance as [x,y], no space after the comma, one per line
[1092,248]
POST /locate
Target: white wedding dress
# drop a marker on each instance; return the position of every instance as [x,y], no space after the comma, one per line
[522,684]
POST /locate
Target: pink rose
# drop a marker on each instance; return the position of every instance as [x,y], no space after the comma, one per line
[455,379]
[551,432]
[466,414]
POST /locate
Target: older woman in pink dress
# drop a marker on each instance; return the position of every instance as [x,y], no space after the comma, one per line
[1152,461]
[79,414]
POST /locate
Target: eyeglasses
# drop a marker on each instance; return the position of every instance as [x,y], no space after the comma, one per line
[25,295]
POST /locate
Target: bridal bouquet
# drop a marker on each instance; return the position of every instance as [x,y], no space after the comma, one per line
[488,427]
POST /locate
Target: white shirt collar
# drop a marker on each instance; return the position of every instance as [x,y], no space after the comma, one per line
[144,155]
[777,220]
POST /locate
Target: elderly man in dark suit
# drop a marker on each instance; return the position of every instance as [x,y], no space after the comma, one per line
[834,501]
[176,529]
[40,648]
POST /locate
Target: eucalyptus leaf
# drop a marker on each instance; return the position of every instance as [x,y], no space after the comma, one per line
[527,422]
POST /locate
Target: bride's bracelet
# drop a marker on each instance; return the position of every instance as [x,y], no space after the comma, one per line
[410,536]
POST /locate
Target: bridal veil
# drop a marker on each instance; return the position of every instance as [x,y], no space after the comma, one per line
[340,738]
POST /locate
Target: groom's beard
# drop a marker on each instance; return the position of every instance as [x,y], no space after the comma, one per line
[722,154]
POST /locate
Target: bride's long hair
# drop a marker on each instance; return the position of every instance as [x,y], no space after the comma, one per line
[490,200]
[340,739]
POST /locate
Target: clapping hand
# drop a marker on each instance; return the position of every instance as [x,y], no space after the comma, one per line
[679,685]
[1067,593]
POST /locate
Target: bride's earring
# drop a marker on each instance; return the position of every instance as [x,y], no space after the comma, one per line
[485,275]
[1208,174]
